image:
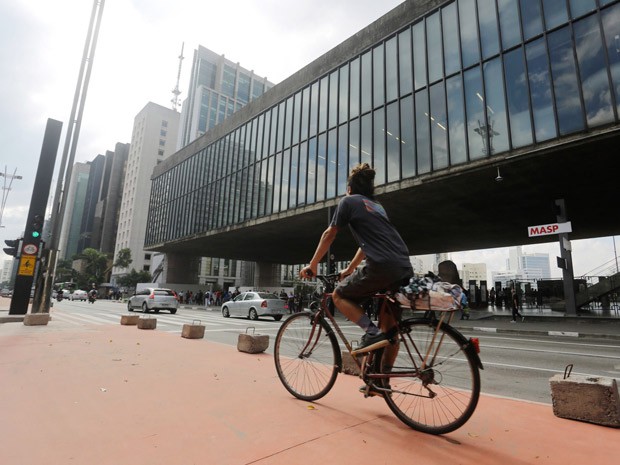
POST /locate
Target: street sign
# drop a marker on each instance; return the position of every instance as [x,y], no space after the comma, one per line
[547,229]
[26,265]
[30,249]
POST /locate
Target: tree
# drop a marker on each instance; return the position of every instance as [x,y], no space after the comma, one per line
[123,258]
[134,277]
[95,265]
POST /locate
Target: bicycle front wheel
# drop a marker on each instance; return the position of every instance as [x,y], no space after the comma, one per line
[306,356]
[435,381]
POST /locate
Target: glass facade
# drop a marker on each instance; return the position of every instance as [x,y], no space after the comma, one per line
[470,80]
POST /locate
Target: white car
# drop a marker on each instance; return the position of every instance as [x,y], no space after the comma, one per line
[155,299]
[78,294]
[255,304]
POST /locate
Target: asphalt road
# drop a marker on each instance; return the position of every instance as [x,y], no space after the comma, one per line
[516,366]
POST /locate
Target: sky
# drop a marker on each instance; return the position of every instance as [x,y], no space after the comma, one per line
[136,62]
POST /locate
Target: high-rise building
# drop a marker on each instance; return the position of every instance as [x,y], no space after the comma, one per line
[153,139]
[473,272]
[72,221]
[536,266]
[218,87]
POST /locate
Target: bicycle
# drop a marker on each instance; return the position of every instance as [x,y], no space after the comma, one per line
[433,386]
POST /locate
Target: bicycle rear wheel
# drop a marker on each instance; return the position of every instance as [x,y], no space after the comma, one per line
[306,357]
[442,396]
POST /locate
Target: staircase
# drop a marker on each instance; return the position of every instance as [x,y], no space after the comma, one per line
[608,283]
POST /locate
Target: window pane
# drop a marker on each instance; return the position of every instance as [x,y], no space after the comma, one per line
[509,22]
[305,112]
[565,84]
[496,108]
[354,143]
[277,183]
[343,163]
[581,7]
[366,82]
[393,142]
[378,162]
[439,126]
[296,117]
[518,98]
[593,71]
[419,55]
[404,62]
[286,171]
[343,95]
[304,177]
[311,194]
[378,76]
[391,70]
[288,126]
[331,163]
[314,108]
[332,119]
[540,90]
[611,28]
[452,56]
[456,120]
[354,101]
[321,167]
[407,137]
[476,128]
[531,18]
[292,198]
[423,143]
[366,145]
[469,32]
[270,186]
[323,99]
[555,13]
[489,37]
[435,55]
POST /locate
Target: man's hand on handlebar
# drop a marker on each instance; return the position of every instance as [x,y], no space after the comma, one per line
[307,272]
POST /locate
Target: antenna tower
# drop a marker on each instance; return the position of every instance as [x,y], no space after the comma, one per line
[176,101]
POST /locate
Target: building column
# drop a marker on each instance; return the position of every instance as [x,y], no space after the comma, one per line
[267,275]
[182,269]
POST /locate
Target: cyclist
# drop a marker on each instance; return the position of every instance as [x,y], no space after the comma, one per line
[387,257]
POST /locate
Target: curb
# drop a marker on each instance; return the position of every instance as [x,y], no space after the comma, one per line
[532,332]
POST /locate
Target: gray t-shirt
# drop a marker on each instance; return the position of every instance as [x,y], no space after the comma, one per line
[372,230]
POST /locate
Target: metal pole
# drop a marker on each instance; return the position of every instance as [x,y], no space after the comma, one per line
[68,155]
[615,254]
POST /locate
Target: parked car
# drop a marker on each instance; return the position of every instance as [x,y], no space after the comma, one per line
[156,299]
[253,305]
[78,294]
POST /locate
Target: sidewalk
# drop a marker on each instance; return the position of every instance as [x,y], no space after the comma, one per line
[117,395]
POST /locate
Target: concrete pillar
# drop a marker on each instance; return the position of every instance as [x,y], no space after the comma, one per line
[182,269]
[267,275]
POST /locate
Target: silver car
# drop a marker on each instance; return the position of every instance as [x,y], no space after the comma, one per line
[255,304]
[155,299]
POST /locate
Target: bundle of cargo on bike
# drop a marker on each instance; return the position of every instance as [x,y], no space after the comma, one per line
[429,294]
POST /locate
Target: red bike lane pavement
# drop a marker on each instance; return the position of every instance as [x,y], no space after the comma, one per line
[118,395]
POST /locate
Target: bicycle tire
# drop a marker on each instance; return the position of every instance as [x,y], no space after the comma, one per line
[311,375]
[454,377]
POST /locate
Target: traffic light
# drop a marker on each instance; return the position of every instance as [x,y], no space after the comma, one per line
[13,247]
[36,226]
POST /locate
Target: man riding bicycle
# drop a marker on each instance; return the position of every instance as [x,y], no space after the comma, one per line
[387,257]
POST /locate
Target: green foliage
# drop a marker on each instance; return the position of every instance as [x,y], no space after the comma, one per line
[123,258]
[96,265]
[134,277]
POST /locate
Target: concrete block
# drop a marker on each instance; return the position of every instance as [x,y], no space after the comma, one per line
[193,331]
[147,323]
[583,398]
[129,320]
[252,343]
[36,319]
[349,366]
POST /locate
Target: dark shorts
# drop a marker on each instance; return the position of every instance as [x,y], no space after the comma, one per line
[370,279]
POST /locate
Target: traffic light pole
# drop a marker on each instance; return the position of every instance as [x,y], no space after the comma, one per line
[29,250]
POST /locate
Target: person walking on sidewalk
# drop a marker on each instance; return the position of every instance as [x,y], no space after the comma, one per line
[387,257]
[515,307]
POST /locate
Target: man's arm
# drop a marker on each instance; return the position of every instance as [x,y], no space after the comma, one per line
[328,236]
[357,259]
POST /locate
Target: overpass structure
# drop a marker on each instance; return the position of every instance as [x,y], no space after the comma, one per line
[477,115]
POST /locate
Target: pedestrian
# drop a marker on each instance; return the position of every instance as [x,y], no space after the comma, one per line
[515,307]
